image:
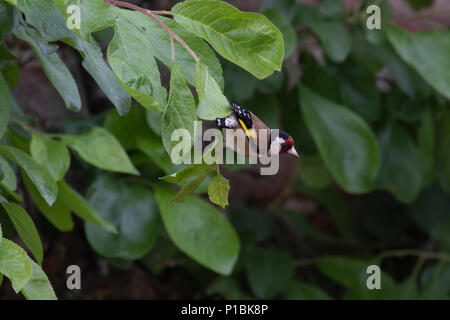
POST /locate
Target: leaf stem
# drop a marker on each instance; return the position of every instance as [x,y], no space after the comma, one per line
[162,12]
[29,128]
[152,14]
[172,49]
[422,256]
[23,124]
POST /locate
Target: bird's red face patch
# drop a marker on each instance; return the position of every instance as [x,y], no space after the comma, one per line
[290,142]
[286,145]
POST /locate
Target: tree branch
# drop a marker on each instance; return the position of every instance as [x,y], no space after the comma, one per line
[422,255]
[152,15]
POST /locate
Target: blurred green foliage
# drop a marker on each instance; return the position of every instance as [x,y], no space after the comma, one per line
[368,110]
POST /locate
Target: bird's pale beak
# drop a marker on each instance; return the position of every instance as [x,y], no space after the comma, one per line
[293,152]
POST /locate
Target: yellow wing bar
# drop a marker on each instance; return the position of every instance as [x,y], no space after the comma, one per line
[248,132]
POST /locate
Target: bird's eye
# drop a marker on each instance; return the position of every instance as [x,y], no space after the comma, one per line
[284,147]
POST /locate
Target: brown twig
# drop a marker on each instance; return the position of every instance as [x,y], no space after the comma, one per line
[421,254]
[152,14]
[172,49]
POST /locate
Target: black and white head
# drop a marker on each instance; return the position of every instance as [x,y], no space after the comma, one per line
[283,144]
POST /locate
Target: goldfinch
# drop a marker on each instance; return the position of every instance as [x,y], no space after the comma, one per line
[249,127]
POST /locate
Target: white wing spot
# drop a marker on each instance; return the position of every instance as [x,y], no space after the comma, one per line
[229,122]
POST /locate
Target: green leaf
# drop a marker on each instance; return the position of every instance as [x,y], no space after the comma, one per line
[153,120]
[268,272]
[323,81]
[420,4]
[11,194]
[302,291]
[95,15]
[56,71]
[96,66]
[191,186]
[8,18]
[11,73]
[218,190]
[239,84]
[133,132]
[38,287]
[252,224]
[1,173]
[200,231]
[9,176]
[346,271]
[310,231]
[332,7]
[431,214]
[72,199]
[427,146]
[159,39]
[313,171]
[271,84]
[19,139]
[186,173]
[130,55]
[337,207]
[25,228]
[10,70]
[16,111]
[247,39]
[126,128]
[435,281]
[101,149]
[266,107]
[407,290]
[98,15]
[132,209]
[180,112]
[153,148]
[229,287]
[374,56]
[305,14]
[346,143]
[212,103]
[14,264]
[358,91]
[334,38]
[286,28]
[400,170]
[51,154]
[403,108]
[443,152]
[427,52]
[352,274]
[38,175]
[46,18]
[58,214]
[5,105]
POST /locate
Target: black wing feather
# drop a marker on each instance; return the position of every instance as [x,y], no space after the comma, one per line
[243,114]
